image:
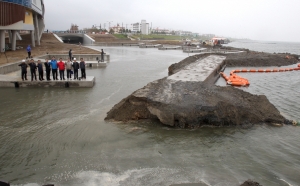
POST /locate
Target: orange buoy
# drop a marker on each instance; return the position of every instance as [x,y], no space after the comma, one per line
[298,65]
[275,70]
[291,69]
[260,70]
[297,68]
[268,70]
[244,70]
[253,70]
[237,71]
[287,69]
[281,70]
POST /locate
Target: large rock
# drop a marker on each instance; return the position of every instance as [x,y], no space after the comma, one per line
[193,104]
[189,104]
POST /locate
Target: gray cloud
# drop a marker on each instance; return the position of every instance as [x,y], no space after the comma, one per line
[274,20]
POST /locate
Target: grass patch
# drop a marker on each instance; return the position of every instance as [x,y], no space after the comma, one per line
[120,36]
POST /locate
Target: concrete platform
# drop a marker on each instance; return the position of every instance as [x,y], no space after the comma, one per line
[200,70]
[95,64]
[150,46]
[15,81]
[164,47]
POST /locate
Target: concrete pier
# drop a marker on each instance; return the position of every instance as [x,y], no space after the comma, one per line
[164,47]
[202,70]
[15,81]
[150,46]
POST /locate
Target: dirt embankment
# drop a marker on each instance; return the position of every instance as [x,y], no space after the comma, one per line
[256,59]
[49,44]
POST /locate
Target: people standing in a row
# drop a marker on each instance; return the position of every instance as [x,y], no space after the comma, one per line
[75,68]
[41,70]
[61,67]
[23,66]
[48,69]
[69,69]
[53,64]
[32,69]
[82,67]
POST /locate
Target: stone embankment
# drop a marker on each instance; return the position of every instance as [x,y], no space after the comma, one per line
[196,102]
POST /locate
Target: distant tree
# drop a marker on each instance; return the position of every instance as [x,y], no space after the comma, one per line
[126,30]
[129,31]
[111,31]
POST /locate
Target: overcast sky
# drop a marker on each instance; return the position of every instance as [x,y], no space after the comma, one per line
[271,20]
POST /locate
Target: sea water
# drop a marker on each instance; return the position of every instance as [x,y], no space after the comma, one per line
[59,136]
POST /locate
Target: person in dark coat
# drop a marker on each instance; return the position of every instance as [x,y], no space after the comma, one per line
[48,69]
[32,69]
[70,54]
[23,66]
[102,55]
[75,67]
[82,68]
[41,70]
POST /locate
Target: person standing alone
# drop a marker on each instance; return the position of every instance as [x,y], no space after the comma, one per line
[28,51]
[70,54]
[82,67]
[75,67]
[41,70]
[61,67]
[48,69]
[53,64]
[102,55]
[23,66]
[32,69]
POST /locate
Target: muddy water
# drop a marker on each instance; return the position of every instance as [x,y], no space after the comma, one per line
[59,135]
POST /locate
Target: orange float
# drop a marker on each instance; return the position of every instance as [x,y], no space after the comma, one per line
[236,80]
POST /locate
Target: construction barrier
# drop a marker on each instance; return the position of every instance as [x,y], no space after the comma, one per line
[236,80]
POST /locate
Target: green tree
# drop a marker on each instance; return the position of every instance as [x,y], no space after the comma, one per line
[111,31]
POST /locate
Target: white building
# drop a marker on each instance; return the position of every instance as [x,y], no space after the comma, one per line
[144,27]
[135,27]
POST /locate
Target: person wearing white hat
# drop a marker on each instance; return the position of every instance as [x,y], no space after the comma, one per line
[23,66]
[76,68]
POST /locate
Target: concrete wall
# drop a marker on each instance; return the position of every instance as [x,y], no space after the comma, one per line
[8,68]
[214,76]
[87,40]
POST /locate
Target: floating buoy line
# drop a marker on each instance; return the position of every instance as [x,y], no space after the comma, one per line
[236,80]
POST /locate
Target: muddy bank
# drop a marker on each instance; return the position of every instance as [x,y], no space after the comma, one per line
[192,104]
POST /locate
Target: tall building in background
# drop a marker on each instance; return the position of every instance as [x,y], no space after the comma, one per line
[19,15]
[144,27]
[135,27]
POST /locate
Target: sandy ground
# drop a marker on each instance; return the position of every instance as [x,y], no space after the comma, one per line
[49,44]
